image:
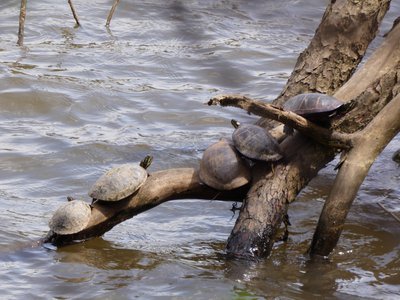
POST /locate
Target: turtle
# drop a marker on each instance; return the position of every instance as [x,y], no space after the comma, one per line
[70,218]
[255,142]
[222,168]
[121,181]
[316,107]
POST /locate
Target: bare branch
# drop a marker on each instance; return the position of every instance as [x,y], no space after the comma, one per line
[74,13]
[322,135]
[111,13]
[369,143]
[22,15]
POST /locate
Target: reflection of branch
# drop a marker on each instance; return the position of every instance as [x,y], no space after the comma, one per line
[114,6]
[159,187]
[265,110]
[22,15]
[389,212]
[74,12]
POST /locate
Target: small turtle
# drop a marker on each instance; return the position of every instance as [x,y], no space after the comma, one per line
[255,142]
[71,217]
[315,107]
[120,182]
[222,168]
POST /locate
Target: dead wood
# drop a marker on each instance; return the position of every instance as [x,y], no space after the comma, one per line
[319,134]
[367,146]
[267,200]
[338,45]
[161,186]
[75,15]
[111,13]
[22,16]
[315,70]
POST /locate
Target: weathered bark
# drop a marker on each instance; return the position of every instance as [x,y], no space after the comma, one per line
[160,187]
[22,15]
[339,44]
[367,146]
[317,69]
[111,13]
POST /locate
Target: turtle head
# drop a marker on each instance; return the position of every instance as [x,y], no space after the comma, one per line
[235,123]
[146,162]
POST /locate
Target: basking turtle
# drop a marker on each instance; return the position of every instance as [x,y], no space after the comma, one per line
[315,107]
[255,142]
[222,168]
[120,182]
[71,217]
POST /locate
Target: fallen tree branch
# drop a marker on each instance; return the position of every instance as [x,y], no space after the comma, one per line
[367,146]
[320,134]
[161,186]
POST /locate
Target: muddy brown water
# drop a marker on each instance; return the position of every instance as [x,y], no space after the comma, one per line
[75,101]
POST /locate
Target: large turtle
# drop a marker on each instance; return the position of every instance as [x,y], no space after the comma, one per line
[222,168]
[120,182]
[315,107]
[71,217]
[255,142]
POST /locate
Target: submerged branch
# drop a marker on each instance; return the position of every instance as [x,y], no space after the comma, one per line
[74,12]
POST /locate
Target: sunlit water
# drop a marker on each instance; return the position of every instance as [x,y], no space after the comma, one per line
[76,100]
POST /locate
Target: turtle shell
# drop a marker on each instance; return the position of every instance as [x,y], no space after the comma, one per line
[71,217]
[118,183]
[255,142]
[222,168]
[313,105]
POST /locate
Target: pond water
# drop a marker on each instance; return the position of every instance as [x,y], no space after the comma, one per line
[76,100]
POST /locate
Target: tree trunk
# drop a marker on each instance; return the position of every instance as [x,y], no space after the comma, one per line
[341,40]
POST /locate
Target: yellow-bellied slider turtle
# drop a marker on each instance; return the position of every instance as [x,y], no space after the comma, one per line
[255,142]
[71,217]
[120,182]
[222,168]
[315,107]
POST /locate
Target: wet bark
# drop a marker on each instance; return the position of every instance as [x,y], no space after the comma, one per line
[368,144]
[346,29]
[340,42]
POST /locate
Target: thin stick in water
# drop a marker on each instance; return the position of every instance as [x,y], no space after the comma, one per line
[22,15]
[74,12]
[388,211]
[114,6]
